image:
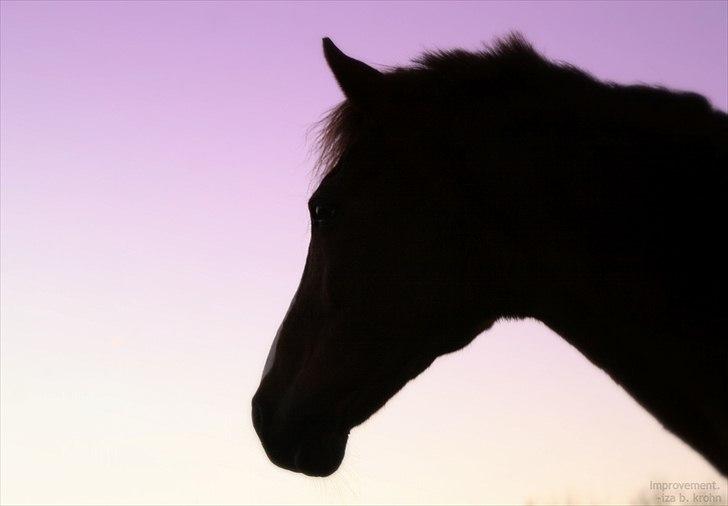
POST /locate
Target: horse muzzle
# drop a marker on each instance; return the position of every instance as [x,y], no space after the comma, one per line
[301,444]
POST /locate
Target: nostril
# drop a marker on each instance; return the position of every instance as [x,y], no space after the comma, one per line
[257,415]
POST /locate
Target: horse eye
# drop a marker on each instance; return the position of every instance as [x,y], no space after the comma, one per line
[320,214]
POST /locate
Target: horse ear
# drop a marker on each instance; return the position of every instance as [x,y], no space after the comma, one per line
[356,79]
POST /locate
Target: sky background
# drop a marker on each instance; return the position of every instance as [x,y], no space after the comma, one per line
[155,172]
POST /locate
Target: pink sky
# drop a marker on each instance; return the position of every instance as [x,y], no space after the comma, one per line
[155,171]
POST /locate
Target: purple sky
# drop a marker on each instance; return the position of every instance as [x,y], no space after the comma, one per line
[155,171]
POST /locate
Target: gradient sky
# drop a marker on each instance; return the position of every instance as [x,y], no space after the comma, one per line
[155,171]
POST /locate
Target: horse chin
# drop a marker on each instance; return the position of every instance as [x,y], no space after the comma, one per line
[321,456]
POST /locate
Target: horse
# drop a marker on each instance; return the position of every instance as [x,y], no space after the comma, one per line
[472,186]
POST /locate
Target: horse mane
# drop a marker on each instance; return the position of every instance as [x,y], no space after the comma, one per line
[510,65]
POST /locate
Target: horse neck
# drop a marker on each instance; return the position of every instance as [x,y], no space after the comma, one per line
[577,272]
[679,379]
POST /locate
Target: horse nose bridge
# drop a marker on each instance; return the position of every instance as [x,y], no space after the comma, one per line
[293,323]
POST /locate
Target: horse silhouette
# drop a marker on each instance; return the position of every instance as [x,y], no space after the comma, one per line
[475,186]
